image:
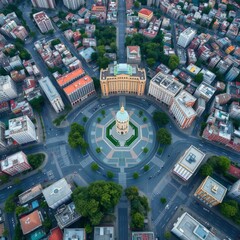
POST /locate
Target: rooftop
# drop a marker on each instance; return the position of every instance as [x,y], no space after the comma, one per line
[30,194]
[69,77]
[214,188]
[188,228]
[74,234]
[19,124]
[103,233]
[206,90]
[56,234]
[122,115]
[193,69]
[12,160]
[77,84]
[143,236]
[30,222]
[40,16]
[145,11]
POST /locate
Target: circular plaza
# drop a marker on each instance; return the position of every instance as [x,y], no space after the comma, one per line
[121,136]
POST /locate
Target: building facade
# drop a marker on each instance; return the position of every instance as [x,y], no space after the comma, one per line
[44,3]
[164,87]
[8,89]
[232,74]
[43,22]
[182,110]
[73,4]
[3,143]
[122,78]
[52,94]
[210,192]
[234,192]
[133,55]
[186,37]
[22,130]
[15,164]
[122,121]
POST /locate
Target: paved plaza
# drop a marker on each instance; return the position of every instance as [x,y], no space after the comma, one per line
[122,155]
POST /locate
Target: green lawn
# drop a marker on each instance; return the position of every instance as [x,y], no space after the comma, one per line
[114,141]
[133,137]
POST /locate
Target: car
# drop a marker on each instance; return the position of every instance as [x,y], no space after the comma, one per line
[167,206]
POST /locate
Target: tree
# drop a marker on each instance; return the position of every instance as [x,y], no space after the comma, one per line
[136,4]
[5,232]
[161,118]
[47,224]
[145,150]
[103,62]
[173,62]
[24,55]
[151,62]
[131,192]
[19,210]
[223,164]
[144,119]
[140,113]
[110,174]
[96,82]
[167,235]
[55,41]
[163,200]
[37,103]
[229,208]
[96,200]
[103,112]
[85,119]
[206,170]
[4,178]
[137,221]
[36,160]
[164,137]
[32,34]
[94,167]
[99,119]
[160,150]
[146,168]
[135,175]
[98,149]
[198,78]
[16,181]
[10,205]
[137,24]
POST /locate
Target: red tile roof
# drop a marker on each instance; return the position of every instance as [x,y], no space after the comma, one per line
[56,234]
[145,12]
[234,171]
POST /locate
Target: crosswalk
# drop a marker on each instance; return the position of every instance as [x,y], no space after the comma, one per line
[86,162]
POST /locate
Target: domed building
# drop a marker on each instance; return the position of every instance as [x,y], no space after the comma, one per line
[122,121]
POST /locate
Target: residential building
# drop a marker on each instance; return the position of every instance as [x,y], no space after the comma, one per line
[44,3]
[234,110]
[74,233]
[22,130]
[31,222]
[193,69]
[188,228]
[145,14]
[133,55]
[15,163]
[106,233]
[234,191]
[3,143]
[210,192]
[80,90]
[232,74]
[43,22]
[208,76]
[21,107]
[87,54]
[182,110]
[222,98]
[15,62]
[57,234]
[200,106]
[66,215]
[30,194]
[143,236]
[99,12]
[164,87]
[186,37]
[73,4]
[8,89]
[205,91]
[188,163]
[52,94]
[4,107]
[89,42]
[57,193]
[20,32]
[122,78]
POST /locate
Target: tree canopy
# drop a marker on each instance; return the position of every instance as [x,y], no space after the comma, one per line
[198,78]
[96,200]
[229,208]
[164,137]
[160,118]
[173,62]
[37,103]
[206,170]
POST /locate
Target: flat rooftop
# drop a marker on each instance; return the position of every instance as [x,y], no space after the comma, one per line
[48,88]
[143,236]
[214,188]
[188,228]
[206,89]
[14,159]
[167,82]
[17,125]
[74,233]
[103,233]
[30,194]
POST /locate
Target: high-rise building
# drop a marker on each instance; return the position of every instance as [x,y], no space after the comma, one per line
[15,164]
[151,3]
[8,89]
[80,90]
[210,192]
[232,74]
[164,87]
[19,32]
[234,191]
[43,22]
[182,110]
[22,130]
[186,37]
[44,3]
[52,94]
[122,78]
[73,4]
[2,136]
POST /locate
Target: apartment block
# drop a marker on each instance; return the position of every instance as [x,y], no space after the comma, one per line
[8,89]
[52,94]
[3,143]
[79,90]
[73,4]
[133,55]
[186,37]
[30,194]
[43,21]
[200,106]
[22,130]
[122,78]
[164,87]
[188,163]
[210,192]
[15,163]
[234,110]
[234,191]
[145,14]
[44,3]
[74,233]
[103,233]
[20,32]
[205,91]
[232,74]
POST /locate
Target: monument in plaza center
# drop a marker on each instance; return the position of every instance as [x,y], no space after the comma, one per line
[122,121]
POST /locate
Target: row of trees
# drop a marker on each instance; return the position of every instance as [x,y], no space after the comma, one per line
[75,137]
[230,209]
[139,207]
[96,201]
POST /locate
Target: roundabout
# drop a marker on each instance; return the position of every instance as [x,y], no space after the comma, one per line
[119,143]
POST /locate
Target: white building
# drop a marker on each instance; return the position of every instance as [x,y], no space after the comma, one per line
[44,3]
[200,106]
[188,163]
[205,91]
[182,110]
[2,136]
[234,192]
[43,22]
[57,193]
[8,89]
[73,4]
[186,37]
[15,163]
[232,74]
[188,228]
[164,87]
[22,130]
[52,94]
